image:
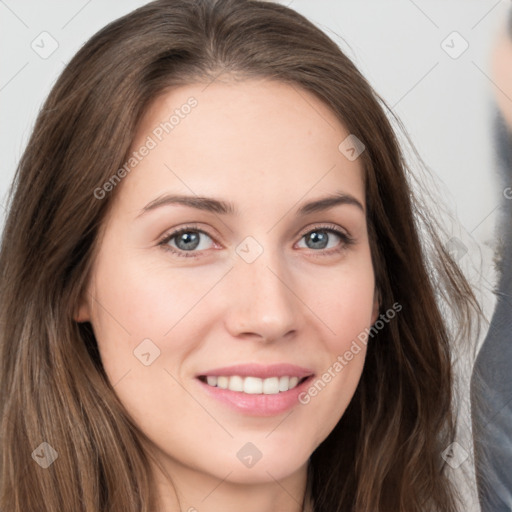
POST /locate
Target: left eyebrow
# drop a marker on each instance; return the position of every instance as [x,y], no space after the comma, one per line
[329,202]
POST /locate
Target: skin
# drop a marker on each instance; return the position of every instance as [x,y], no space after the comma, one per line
[268,148]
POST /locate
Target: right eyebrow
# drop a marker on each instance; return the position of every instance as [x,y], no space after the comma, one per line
[202,203]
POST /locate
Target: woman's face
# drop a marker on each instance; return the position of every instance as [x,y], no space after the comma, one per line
[258,280]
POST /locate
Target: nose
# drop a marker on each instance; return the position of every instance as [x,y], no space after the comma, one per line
[261,303]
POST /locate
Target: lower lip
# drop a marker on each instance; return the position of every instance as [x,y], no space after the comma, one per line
[258,405]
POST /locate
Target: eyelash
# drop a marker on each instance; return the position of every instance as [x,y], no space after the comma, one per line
[346,241]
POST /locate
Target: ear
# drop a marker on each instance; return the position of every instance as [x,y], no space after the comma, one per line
[376,305]
[82,311]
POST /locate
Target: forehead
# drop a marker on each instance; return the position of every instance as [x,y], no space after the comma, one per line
[252,139]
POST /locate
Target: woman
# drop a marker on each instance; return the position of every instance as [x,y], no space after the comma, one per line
[214,294]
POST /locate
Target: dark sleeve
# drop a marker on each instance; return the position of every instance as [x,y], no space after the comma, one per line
[491,382]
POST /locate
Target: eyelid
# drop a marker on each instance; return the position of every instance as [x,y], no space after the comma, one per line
[169,233]
[325,226]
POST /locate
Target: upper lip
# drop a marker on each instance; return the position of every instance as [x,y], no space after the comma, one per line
[261,371]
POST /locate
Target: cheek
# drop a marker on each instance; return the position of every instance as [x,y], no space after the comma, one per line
[142,298]
[343,300]
[143,317]
[330,393]
[148,317]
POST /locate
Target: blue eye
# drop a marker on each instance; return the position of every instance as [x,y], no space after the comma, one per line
[325,238]
[321,239]
[186,240]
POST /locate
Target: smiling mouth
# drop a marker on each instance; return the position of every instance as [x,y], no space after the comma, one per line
[253,385]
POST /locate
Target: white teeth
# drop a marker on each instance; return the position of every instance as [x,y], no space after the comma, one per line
[236,383]
[222,382]
[253,385]
[271,386]
[283,383]
[293,382]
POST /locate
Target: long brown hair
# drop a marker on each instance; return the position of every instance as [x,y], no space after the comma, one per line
[385,452]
